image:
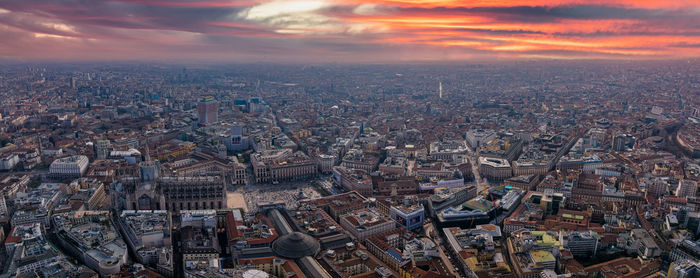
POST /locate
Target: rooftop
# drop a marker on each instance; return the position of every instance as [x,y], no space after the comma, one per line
[541,256]
[364,218]
[296,245]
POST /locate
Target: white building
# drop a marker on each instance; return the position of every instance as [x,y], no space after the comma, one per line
[72,166]
[530,167]
[365,223]
[495,168]
[148,234]
[478,137]
[686,188]
[9,162]
[26,217]
[645,244]
[280,165]
[3,205]
[326,162]
[447,150]
[90,237]
[52,152]
[581,244]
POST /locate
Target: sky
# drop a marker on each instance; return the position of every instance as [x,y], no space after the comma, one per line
[351,31]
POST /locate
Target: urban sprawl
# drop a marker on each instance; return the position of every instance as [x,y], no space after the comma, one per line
[519,169]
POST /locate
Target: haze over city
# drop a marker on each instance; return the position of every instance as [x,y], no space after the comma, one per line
[349,139]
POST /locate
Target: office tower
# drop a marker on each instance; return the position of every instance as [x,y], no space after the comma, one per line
[208,109]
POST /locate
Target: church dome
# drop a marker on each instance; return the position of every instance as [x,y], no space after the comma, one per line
[296,245]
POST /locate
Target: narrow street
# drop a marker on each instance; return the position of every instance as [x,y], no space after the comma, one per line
[473,157]
[437,236]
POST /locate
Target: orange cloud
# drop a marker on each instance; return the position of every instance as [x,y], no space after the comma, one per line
[356,28]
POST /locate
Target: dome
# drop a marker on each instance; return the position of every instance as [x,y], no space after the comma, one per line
[296,245]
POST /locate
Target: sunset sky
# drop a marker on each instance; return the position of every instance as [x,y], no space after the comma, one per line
[346,31]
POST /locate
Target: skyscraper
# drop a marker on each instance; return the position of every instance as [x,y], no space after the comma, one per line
[208,109]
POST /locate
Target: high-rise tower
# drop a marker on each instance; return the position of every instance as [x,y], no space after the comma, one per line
[208,110]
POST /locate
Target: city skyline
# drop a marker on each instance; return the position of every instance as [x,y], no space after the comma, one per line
[354,31]
[551,169]
[349,139]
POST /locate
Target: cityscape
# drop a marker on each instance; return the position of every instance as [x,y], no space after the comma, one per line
[295,139]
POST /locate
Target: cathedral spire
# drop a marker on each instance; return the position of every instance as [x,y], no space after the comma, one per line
[148,153]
